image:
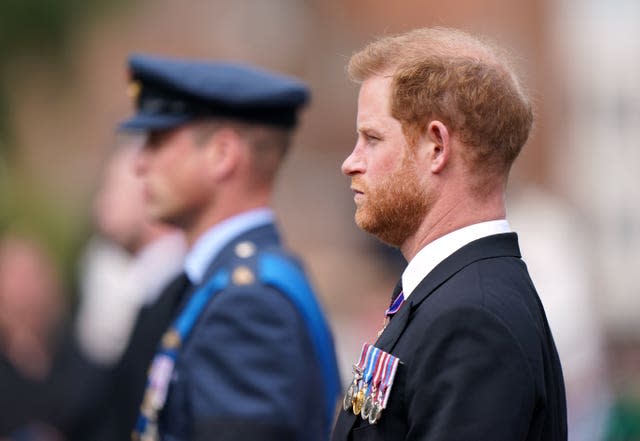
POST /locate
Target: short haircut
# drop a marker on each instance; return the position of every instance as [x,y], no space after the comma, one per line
[269,144]
[465,82]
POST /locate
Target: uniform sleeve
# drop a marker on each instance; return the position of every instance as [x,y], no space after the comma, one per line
[248,367]
[469,381]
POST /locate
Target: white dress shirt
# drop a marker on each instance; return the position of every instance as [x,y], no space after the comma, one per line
[438,250]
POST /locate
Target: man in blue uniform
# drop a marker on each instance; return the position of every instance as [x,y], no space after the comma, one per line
[248,354]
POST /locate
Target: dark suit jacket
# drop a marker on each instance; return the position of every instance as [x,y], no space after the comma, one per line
[478,361]
[106,406]
[131,372]
[248,371]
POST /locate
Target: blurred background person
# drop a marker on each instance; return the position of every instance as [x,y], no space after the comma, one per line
[127,262]
[31,306]
[31,309]
[125,266]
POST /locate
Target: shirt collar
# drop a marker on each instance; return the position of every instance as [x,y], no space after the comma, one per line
[209,245]
[438,250]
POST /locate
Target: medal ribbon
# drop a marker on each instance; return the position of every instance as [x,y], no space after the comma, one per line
[395,305]
[371,363]
[382,368]
[385,379]
[366,348]
[379,370]
[360,368]
[389,380]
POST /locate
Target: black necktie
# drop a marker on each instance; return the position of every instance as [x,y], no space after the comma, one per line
[177,292]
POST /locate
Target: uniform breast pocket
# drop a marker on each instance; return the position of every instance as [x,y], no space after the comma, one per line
[368,432]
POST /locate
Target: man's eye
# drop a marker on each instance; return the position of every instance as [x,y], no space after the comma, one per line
[372,137]
[155,139]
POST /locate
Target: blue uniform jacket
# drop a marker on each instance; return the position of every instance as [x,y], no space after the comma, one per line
[248,369]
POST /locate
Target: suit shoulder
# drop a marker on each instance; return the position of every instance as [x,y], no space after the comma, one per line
[498,289]
[495,284]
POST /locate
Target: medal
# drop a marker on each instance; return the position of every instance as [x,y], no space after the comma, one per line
[393,308]
[380,364]
[370,362]
[366,407]
[382,395]
[374,416]
[376,410]
[358,401]
[348,397]
[352,391]
[389,382]
[373,377]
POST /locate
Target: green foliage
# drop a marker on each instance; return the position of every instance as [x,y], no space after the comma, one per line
[27,210]
[39,28]
[624,422]
[28,25]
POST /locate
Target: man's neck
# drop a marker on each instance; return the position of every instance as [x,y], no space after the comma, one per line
[223,209]
[443,220]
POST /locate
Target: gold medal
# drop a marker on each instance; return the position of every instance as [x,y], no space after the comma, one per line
[358,401]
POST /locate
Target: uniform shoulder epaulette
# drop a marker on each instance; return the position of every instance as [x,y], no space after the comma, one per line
[278,269]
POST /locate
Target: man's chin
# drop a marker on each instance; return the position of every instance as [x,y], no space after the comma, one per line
[159,216]
[387,234]
[362,220]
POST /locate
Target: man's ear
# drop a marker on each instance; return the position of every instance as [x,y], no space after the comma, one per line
[439,136]
[223,153]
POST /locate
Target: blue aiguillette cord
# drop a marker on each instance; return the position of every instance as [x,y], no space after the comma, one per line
[289,279]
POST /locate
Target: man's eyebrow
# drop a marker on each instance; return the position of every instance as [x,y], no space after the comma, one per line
[366,127]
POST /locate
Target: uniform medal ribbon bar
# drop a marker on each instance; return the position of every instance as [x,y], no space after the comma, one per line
[369,391]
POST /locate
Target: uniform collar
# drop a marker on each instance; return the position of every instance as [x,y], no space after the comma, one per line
[438,250]
[209,245]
